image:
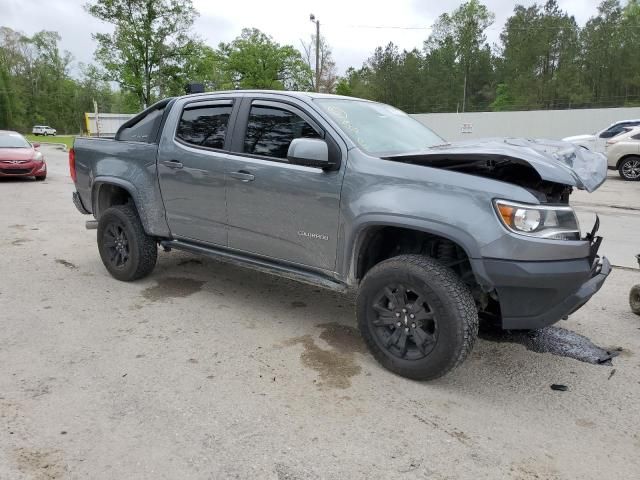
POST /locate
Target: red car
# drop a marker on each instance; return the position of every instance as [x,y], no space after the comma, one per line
[19,158]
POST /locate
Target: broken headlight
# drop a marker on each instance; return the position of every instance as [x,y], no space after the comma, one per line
[542,221]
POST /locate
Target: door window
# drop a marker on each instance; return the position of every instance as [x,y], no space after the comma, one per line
[271,130]
[204,126]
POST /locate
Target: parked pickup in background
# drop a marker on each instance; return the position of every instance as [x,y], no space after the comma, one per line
[352,195]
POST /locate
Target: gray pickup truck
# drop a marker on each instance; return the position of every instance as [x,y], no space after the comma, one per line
[352,195]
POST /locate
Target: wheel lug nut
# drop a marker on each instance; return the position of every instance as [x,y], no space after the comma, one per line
[406,330]
[413,325]
[399,323]
[412,316]
[404,310]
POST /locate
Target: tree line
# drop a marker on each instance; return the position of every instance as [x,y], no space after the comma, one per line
[543,60]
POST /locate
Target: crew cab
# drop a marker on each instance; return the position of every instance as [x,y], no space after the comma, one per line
[350,194]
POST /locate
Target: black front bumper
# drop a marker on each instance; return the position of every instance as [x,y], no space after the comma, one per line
[536,294]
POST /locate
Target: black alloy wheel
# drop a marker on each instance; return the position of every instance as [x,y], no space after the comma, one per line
[404,322]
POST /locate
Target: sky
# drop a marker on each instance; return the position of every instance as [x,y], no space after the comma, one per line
[352,27]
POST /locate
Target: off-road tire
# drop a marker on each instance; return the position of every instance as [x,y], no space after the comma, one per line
[626,172]
[142,248]
[448,298]
[634,299]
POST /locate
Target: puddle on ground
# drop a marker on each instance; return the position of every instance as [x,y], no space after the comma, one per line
[172,287]
[343,338]
[337,365]
[557,341]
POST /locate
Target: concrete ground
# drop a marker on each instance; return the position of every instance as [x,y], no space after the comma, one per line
[209,371]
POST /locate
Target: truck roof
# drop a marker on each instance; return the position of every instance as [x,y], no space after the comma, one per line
[286,93]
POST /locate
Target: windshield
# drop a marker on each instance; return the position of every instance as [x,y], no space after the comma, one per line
[13,140]
[379,129]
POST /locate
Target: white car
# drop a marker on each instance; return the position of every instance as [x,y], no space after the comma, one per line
[43,130]
[598,141]
[623,153]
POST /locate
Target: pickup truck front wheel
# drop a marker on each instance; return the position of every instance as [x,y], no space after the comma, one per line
[416,316]
[126,250]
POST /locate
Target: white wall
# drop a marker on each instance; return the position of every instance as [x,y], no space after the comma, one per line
[553,124]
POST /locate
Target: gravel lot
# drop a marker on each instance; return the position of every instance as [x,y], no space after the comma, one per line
[206,370]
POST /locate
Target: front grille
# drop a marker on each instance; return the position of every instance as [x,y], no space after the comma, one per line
[14,171]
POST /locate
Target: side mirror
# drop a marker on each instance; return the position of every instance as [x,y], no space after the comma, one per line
[309,152]
[35,145]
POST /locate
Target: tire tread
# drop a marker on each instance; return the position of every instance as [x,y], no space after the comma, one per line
[459,299]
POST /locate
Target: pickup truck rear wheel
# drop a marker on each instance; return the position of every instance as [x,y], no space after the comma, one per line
[417,317]
[126,250]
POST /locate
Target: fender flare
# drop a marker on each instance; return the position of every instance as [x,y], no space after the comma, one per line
[354,239]
[98,182]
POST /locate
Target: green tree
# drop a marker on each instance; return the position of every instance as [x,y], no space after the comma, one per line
[255,60]
[151,40]
[541,65]
[463,34]
[601,39]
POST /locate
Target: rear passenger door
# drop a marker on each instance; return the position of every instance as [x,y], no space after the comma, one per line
[276,209]
[191,170]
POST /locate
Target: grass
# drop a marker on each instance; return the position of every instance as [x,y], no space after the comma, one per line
[66,139]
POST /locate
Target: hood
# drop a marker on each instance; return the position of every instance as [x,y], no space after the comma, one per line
[554,161]
[26,153]
[580,138]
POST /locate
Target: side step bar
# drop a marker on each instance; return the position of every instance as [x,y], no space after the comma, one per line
[255,263]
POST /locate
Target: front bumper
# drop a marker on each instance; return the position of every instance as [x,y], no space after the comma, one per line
[536,294]
[27,168]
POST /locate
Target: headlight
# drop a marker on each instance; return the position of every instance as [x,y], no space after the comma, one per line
[542,221]
[37,156]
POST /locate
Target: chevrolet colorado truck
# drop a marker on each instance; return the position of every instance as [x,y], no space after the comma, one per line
[352,195]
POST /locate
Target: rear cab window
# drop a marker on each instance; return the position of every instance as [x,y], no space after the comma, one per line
[144,127]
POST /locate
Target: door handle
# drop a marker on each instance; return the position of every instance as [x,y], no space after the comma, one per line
[243,176]
[172,163]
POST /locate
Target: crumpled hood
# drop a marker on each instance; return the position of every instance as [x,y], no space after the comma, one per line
[555,161]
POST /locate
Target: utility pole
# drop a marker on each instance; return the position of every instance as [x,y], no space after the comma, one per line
[312,17]
[95,108]
[464,94]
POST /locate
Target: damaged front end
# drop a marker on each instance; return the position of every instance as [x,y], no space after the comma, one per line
[548,169]
[529,290]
